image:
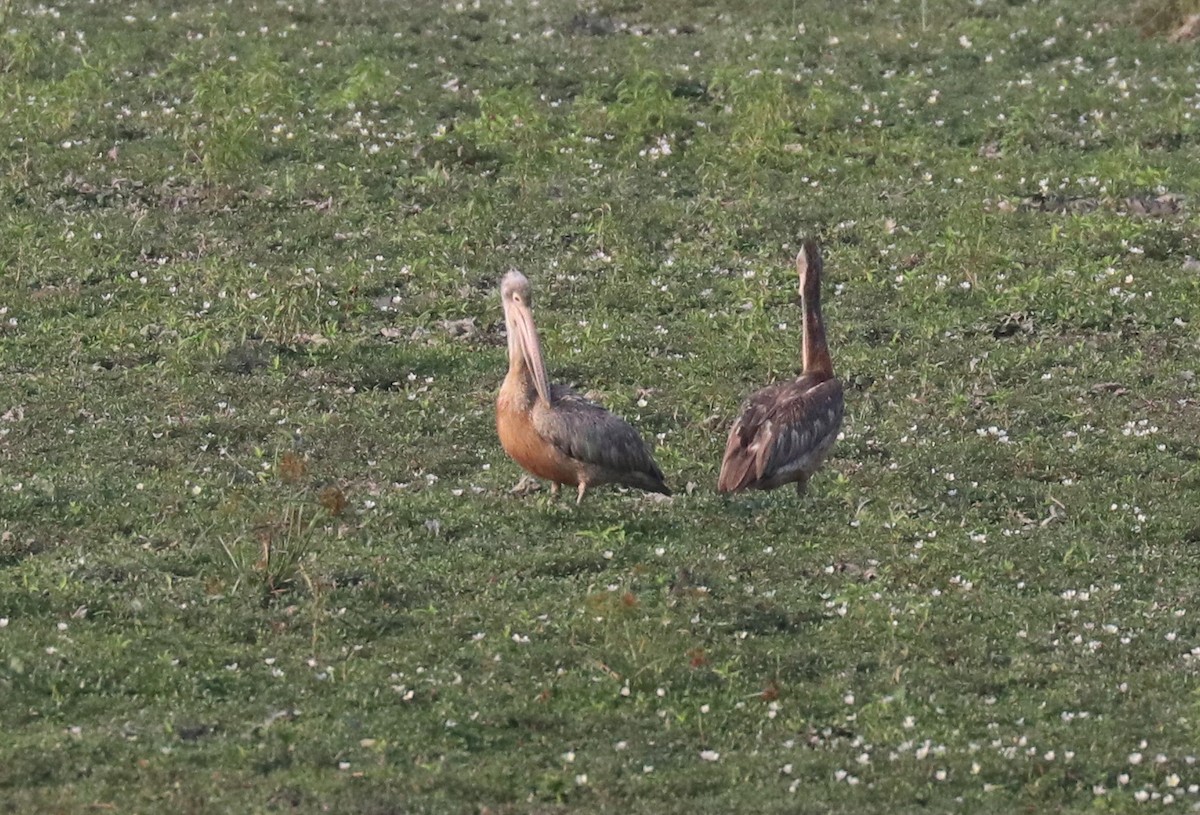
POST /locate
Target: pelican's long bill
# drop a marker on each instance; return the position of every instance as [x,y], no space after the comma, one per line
[525,342]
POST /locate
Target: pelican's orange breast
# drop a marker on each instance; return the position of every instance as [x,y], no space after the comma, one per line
[526,447]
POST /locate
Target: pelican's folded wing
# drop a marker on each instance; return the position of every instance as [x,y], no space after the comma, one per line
[783,430]
[586,432]
[807,427]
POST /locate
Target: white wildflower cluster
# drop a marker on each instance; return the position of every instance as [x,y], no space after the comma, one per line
[660,149]
[994,432]
[1139,428]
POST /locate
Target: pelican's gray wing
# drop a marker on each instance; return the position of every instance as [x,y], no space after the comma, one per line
[586,432]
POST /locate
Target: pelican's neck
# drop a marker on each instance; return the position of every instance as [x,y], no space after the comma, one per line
[816,350]
[521,375]
[519,382]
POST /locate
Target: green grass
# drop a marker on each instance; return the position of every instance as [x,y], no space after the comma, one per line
[257,547]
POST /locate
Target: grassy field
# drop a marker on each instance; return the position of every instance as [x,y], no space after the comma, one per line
[258,551]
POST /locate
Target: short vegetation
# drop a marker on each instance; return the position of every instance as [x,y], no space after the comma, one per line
[258,550]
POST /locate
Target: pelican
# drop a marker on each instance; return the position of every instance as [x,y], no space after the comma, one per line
[786,429]
[553,432]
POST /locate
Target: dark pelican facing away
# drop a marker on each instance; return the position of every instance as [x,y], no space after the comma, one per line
[786,429]
[550,430]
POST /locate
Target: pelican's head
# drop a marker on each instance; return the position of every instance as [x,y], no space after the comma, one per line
[523,346]
[515,288]
[808,267]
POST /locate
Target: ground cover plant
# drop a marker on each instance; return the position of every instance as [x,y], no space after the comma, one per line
[257,546]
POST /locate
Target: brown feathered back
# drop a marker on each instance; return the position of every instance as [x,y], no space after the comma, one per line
[783,434]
